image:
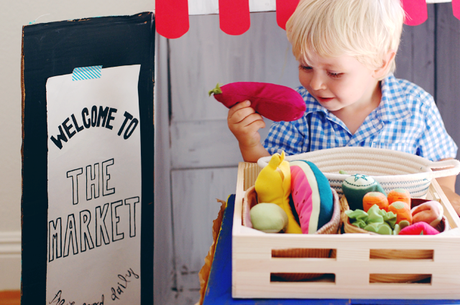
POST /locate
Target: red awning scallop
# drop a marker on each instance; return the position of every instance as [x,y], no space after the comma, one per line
[172,16]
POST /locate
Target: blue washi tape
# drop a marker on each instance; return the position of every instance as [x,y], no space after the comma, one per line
[84,73]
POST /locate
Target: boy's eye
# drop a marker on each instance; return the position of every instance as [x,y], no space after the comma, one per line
[335,74]
[305,67]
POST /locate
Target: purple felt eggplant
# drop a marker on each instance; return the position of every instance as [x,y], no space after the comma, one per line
[275,102]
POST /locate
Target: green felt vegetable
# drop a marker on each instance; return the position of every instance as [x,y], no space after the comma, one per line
[379,228]
[375,220]
[401,225]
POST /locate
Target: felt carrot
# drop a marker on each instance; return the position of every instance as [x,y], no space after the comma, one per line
[402,211]
[275,102]
[377,198]
[399,194]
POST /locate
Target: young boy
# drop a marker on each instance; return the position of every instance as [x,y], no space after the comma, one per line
[346,51]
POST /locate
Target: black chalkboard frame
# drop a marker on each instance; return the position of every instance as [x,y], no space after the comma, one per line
[56,48]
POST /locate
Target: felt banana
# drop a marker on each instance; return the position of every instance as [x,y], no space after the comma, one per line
[273,185]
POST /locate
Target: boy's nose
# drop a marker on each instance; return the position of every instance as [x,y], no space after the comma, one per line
[317,83]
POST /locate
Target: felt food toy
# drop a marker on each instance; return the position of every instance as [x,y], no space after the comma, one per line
[377,198]
[402,211]
[400,226]
[379,228]
[312,196]
[374,220]
[268,217]
[419,228]
[356,186]
[399,194]
[430,212]
[273,184]
[275,102]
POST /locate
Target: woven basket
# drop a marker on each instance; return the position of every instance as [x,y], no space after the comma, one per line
[391,253]
[332,227]
[392,169]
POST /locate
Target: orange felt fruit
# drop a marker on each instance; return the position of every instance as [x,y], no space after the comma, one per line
[399,194]
[402,211]
[377,198]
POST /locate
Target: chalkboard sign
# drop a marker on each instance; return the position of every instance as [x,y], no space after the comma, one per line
[87,203]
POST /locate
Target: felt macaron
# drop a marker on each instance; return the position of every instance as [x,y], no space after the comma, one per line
[354,188]
[312,195]
[268,217]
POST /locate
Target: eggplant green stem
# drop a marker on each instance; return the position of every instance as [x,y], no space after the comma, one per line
[216,90]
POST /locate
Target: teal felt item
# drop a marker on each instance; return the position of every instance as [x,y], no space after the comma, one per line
[311,194]
[356,186]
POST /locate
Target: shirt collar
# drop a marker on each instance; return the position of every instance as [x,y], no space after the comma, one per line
[393,105]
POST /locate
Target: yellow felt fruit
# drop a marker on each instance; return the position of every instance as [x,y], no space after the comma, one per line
[273,184]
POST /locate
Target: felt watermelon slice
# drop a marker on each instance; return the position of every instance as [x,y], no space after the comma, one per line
[312,196]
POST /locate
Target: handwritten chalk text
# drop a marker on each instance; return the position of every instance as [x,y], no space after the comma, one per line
[59,300]
[90,118]
[123,283]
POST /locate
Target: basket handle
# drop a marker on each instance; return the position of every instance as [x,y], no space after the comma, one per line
[449,167]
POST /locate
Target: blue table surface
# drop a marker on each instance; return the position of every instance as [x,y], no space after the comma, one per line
[219,288]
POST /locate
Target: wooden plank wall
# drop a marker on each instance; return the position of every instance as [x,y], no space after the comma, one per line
[204,153]
[447,74]
[195,153]
[415,60]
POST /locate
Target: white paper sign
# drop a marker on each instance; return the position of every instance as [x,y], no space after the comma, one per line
[94,187]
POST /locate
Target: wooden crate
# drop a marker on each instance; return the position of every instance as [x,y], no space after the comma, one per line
[347,275]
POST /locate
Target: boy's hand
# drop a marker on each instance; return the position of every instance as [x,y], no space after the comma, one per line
[245,123]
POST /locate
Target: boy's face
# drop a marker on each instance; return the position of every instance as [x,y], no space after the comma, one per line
[339,83]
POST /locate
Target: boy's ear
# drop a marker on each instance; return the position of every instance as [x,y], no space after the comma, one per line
[381,71]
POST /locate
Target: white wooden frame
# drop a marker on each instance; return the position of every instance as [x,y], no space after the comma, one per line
[252,260]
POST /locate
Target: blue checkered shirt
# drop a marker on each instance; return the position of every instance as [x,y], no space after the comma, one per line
[407,120]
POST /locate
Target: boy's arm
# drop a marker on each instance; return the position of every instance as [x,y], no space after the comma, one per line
[245,123]
[252,154]
[447,185]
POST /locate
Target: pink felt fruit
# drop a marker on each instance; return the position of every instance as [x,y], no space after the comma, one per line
[419,228]
[275,102]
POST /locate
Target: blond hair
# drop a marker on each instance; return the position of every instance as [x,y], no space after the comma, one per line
[364,29]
